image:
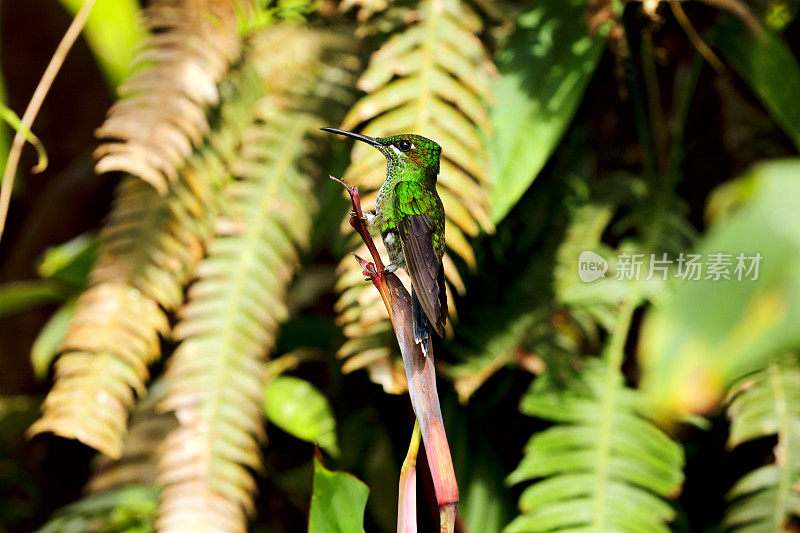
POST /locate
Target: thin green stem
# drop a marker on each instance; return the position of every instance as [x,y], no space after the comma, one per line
[35,104]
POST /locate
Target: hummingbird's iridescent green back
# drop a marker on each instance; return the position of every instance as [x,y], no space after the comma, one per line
[410,217]
[410,186]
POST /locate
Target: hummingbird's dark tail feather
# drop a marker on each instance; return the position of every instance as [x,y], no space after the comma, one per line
[422,326]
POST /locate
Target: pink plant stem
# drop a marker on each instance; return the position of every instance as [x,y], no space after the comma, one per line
[420,372]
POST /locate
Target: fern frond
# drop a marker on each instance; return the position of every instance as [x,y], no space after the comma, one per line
[109,343]
[138,464]
[432,79]
[603,467]
[529,324]
[234,309]
[121,494]
[148,249]
[764,404]
[151,131]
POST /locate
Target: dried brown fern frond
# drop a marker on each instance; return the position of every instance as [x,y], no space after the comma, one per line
[234,309]
[138,464]
[432,79]
[151,131]
[148,249]
[110,341]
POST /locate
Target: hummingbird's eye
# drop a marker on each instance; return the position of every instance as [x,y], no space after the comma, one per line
[404,145]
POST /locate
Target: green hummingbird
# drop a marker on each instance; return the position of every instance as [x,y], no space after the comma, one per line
[410,217]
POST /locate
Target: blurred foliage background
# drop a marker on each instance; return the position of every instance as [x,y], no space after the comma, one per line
[181,320]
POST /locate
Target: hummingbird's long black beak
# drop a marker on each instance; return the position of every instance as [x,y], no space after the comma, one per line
[369,140]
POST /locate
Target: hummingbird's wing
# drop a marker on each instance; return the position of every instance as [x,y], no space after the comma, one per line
[416,229]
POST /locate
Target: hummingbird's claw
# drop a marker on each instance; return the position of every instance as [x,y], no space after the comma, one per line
[353,214]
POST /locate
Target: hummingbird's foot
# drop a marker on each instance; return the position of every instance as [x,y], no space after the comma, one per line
[390,269]
[353,214]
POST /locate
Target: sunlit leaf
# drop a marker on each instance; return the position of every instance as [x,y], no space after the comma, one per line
[708,332]
[545,68]
[337,502]
[299,408]
[112,31]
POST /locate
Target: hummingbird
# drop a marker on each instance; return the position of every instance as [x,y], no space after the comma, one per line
[410,218]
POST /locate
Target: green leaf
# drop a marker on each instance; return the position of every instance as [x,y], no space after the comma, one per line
[764,404]
[14,121]
[47,343]
[128,509]
[299,408]
[768,66]
[337,502]
[71,261]
[705,333]
[21,295]
[545,68]
[112,31]
[603,466]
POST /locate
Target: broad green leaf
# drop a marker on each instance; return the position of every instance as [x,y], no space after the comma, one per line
[112,31]
[705,333]
[768,66]
[337,502]
[47,343]
[299,408]
[21,295]
[545,68]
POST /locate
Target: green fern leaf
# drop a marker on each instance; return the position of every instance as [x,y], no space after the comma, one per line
[764,404]
[431,79]
[603,467]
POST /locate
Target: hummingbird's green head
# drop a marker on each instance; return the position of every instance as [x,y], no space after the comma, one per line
[405,152]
